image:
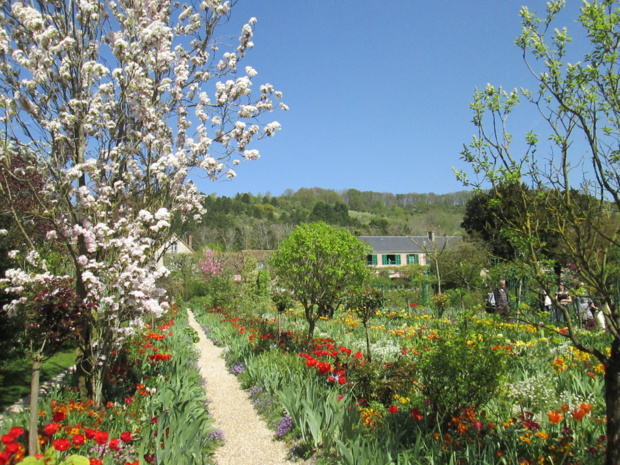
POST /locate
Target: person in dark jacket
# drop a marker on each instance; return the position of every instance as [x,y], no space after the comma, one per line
[502,300]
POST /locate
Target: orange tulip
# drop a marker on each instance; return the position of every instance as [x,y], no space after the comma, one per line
[555,417]
[578,414]
[585,407]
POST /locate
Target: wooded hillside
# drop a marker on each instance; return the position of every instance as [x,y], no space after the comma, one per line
[260,222]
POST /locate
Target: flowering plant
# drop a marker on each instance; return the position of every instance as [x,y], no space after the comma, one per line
[115,122]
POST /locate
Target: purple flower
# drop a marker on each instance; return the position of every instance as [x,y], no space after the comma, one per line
[286,424]
[237,369]
[217,435]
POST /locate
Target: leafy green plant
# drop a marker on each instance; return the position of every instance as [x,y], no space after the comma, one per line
[380,381]
[460,371]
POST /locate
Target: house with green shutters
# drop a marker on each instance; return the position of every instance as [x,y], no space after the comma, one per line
[394,251]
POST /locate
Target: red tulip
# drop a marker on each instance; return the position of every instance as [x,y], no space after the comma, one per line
[61,444]
[101,437]
[16,431]
[416,414]
[78,439]
[11,448]
[51,428]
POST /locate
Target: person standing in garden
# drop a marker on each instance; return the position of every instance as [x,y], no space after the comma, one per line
[564,299]
[583,305]
[502,300]
[489,301]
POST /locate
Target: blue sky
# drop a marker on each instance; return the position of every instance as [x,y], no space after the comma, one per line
[378,90]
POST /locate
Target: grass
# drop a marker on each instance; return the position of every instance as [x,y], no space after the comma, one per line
[15,376]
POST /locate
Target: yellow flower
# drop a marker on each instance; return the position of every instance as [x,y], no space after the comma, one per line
[542,435]
[600,369]
[525,439]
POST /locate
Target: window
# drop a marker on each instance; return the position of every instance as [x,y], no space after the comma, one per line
[174,247]
[390,259]
[371,259]
[413,259]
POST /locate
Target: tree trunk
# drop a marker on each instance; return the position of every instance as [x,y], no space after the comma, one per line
[368,342]
[612,401]
[33,435]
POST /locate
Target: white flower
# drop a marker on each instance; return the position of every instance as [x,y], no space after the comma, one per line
[251,154]
[162,214]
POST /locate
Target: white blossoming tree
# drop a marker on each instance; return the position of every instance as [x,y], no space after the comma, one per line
[117,103]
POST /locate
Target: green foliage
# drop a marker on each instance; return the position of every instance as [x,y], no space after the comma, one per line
[246,221]
[282,299]
[51,458]
[460,371]
[319,264]
[379,381]
[15,375]
[181,284]
[440,303]
[218,292]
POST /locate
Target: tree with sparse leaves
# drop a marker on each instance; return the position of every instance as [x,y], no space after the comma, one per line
[576,179]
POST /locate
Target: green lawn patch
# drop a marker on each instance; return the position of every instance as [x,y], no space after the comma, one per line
[15,376]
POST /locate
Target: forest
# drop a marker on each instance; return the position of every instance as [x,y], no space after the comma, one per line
[261,222]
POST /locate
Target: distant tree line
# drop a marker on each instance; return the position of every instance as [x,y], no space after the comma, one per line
[248,221]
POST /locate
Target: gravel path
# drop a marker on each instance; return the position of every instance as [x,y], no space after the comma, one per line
[248,441]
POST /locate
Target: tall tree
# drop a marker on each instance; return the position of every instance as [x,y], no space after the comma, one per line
[320,264]
[579,102]
[119,101]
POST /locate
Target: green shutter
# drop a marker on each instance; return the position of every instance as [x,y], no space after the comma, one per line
[413,259]
[384,260]
[398,259]
[374,259]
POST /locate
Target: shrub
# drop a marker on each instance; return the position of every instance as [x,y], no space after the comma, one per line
[460,371]
[380,381]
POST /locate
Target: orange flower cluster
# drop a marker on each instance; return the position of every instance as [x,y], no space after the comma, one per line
[578,414]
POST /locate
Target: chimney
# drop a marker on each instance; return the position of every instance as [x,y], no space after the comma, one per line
[189,242]
[431,236]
